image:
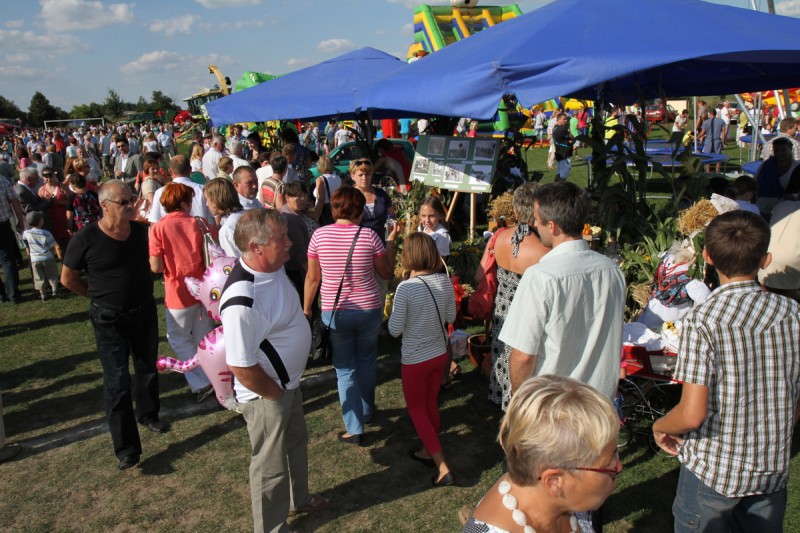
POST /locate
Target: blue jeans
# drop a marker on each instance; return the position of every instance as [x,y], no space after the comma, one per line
[354,338]
[701,508]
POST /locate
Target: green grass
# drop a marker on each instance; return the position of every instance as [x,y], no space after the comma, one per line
[195,478]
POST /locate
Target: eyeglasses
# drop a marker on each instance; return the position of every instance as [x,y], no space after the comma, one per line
[122,203]
[47,174]
[362,160]
[612,472]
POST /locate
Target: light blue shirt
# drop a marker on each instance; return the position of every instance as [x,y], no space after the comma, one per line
[568,311]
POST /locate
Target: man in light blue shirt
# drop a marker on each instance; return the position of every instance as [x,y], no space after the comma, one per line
[567,314]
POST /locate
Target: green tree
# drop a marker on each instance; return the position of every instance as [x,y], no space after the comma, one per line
[162,102]
[113,104]
[91,110]
[40,110]
[141,105]
[9,109]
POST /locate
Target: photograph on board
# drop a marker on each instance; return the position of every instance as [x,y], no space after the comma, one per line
[485,150]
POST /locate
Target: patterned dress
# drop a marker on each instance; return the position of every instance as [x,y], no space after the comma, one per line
[499,380]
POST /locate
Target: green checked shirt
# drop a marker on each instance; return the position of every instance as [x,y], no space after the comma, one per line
[742,343]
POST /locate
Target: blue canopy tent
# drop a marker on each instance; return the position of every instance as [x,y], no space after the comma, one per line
[319,92]
[622,47]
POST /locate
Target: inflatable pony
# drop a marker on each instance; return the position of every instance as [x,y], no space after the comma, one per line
[210,354]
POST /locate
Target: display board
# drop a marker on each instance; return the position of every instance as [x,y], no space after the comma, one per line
[456,163]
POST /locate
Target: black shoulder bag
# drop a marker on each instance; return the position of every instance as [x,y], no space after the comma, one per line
[325,350]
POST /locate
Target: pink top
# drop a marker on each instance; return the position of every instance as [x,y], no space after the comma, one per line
[330,245]
[178,240]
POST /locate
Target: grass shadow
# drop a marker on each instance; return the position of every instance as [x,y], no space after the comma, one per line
[161,463]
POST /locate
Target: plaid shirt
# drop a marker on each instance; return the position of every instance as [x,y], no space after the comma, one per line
[7,193]
[742,343]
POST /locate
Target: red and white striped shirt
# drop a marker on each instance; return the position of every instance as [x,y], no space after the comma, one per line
[330,245]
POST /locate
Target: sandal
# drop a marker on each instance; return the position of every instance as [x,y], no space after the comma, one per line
[316,503]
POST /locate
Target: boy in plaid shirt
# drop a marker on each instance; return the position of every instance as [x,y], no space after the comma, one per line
[732,429]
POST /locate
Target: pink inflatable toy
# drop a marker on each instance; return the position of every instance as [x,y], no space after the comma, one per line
[209,289]
[211,357]
[210,354]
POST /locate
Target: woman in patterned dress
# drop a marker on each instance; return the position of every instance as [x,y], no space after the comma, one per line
[515,251]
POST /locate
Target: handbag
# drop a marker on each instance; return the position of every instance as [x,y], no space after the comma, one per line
[325,349]
[447,344]
[208,240]
[326,216]
[481,302]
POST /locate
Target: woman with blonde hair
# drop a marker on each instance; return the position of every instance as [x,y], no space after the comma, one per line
[560,442]
[196,158]
[327,183]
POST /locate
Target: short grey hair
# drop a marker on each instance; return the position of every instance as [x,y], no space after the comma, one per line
[256,226]
[218,139]
[26,173]
[109,187]
[235,147]
[522,202]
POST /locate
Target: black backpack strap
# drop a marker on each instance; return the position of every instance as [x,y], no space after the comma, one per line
[276,361]
[327,189]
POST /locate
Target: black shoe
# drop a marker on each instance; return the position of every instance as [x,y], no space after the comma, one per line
[352,439]
[448,479]
[128,461]
[156,426]
[427,462]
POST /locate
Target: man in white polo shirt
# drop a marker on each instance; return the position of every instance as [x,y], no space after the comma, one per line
[179,169]
[267,342]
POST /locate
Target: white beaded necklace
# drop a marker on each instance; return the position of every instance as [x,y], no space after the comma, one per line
[510,503]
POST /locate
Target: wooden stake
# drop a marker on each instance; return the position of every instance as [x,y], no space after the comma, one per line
[452,206]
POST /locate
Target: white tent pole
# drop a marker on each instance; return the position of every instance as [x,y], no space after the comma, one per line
[750,118]
[779,103]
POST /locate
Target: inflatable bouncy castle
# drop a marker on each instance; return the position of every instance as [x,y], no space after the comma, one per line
[437,26]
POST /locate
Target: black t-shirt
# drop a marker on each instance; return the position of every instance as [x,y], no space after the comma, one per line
[563,142]
[118,272]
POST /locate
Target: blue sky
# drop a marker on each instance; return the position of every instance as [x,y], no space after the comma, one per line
[73,51]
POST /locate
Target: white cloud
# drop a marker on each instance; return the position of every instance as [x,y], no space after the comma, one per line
[39,43]
[67,15]
[18,58]
[230,25]
[18,73]
[241,24]
[789,8]
[213,4]
[18,23]
[407,29]
[335,45]
[174,26]
[157,61]
[299,62]
[165,61]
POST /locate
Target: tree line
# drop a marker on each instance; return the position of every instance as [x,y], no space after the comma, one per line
[112,108]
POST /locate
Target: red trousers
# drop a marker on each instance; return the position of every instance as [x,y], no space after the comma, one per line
[421,384]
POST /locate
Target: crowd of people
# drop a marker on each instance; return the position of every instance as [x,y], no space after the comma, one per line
[323,255]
